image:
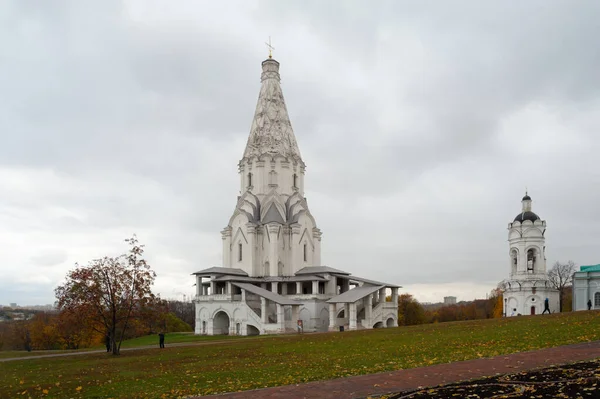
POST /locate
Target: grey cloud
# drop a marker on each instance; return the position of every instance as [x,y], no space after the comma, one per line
[401,112]
[49,257]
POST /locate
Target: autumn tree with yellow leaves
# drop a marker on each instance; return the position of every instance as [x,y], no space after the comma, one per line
[109,294]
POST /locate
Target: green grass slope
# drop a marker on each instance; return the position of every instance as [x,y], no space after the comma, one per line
[242,364]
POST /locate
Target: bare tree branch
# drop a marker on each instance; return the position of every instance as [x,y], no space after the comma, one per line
[561,278]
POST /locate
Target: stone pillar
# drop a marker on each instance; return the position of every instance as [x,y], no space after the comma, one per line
[284,288]
[198,285]
[352,319]
[226,237]
[252,262]
[315,287]
[332,320]
[382,295]
[330,286]
[263,310]
[317,241]
[299,287]
[209,327]
[229,290]
[244,296]
[369,311]
[395,295]
[212,286]
[198,327]
[523,260]
[274,285]
[295,313]
[280,317]
[273,230]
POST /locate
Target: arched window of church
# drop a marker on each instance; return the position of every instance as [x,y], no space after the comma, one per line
[305,253]
[597,299]
[240,252]
[530,260]
[273,178]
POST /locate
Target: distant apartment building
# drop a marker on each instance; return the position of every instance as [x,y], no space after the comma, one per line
[449,300]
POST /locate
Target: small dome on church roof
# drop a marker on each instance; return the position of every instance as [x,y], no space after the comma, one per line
[526,198]
[527,215]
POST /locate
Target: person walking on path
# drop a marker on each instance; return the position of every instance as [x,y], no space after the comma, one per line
[546,306]
[27,341]
[589,304]
[107,342]
[161,339]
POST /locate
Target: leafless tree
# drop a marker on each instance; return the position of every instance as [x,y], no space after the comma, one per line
[561,278]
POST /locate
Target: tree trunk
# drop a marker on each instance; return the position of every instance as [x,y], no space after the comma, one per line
[560,299]
[113,335]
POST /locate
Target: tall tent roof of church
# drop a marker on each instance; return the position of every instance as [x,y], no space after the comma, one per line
[271,132]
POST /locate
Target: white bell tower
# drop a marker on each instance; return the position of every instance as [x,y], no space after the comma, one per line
[527,243]
[527,288]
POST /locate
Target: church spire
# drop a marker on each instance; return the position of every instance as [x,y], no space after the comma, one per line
[271,132]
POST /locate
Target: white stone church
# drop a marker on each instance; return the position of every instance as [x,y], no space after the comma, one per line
[272,280]
[527,288]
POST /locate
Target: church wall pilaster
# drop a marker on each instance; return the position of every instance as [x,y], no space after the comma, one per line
[260,251]
[241,171]
[251,262]
[260,176]
[296,251]
[273,231]
[301,178]
[316,261]
[226,238]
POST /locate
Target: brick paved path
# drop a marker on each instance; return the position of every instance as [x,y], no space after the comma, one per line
[402,380]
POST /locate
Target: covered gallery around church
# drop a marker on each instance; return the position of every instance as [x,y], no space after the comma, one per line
[271,279]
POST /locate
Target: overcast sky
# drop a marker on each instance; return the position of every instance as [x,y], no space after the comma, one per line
[421,124]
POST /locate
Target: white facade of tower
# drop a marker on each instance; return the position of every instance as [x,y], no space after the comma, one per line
[271,280]
[527,287]
[271,231]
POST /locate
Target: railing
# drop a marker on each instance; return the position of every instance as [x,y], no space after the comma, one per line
[300,297]
[216,297]
[254,317]
[377,312]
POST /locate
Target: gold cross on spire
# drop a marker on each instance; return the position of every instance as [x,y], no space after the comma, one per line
[271,48]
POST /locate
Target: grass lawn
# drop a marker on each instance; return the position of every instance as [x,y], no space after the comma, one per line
[243,364]
[170,338]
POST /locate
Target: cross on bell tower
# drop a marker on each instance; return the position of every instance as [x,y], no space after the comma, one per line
[270,47]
